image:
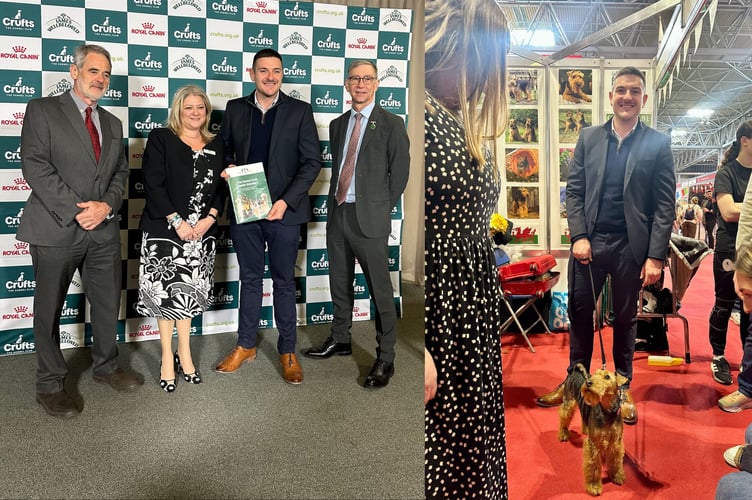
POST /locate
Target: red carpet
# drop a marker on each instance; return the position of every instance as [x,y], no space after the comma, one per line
[675,450]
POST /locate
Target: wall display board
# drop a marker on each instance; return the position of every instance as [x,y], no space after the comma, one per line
[158,46]
[548,107]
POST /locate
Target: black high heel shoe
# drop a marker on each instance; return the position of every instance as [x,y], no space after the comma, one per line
[191,378]
[171,384]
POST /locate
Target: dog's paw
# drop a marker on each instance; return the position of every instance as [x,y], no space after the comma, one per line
[563,434]
[594,489]
[619,477]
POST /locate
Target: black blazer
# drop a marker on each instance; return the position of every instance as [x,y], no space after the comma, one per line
[167,169]
[381,169]
[649,188]
[294,152]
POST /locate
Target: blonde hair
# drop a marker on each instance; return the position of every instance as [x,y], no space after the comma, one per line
[471,37]
[175,122]
[743,261]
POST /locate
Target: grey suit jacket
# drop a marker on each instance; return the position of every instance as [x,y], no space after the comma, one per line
[58,162]
[649,189]
[381,169]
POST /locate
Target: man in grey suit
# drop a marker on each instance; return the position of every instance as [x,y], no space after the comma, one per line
[620,210]
[73,158]
[371,159]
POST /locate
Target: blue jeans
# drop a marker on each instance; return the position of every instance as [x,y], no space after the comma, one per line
[250,240]
[736,485]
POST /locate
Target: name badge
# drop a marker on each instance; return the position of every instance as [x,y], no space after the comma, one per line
[209,152]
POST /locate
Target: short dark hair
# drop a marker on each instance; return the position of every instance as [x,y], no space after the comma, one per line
[266,53]
[630,70]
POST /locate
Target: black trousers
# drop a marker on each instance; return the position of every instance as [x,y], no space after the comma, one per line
[725,297]
[611,256]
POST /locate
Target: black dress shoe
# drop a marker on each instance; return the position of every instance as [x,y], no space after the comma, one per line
[379,376]
[328,349]
[58,404]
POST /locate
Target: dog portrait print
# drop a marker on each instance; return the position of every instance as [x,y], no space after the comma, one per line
[565,158]
[575,86]
[571,123]
[521,165]
[522,126]
[523,86]
[523,202]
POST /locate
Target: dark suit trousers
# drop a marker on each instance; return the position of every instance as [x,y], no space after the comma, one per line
[611,256]
[345,242]
[250,240]
[100,267]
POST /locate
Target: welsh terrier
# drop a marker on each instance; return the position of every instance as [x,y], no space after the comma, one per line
[598,398]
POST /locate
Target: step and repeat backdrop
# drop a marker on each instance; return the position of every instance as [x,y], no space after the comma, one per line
[156,47]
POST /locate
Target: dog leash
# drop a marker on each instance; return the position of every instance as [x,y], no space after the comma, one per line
[598,319]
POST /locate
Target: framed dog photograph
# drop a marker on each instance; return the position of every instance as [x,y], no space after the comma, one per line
[571,122]
[522,126]
[523,86]
[523,202]
[575,86]
[562,202]
[565,157]
[521,165]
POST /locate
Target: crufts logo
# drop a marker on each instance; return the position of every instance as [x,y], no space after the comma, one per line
[323,316]
[20,284]
[18,22]
[19,346]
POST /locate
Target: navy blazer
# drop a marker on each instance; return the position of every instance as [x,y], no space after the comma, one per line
[649,188]
[294,151]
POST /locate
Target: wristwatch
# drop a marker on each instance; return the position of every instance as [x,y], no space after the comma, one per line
[109,216]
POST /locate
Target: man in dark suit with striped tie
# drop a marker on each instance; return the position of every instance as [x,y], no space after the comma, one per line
[73,158]
[371,160]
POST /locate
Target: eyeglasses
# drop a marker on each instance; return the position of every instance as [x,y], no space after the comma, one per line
[368,80]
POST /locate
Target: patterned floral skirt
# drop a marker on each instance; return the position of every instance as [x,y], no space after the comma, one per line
[175,278]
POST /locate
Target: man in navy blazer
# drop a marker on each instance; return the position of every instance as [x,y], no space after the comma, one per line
[358,221]
[270,127]
[69,222]
[620,210]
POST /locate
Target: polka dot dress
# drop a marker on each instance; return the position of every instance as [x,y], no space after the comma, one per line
[465,453]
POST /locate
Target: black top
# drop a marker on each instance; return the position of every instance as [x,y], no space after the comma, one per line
[169,180]
[731,179]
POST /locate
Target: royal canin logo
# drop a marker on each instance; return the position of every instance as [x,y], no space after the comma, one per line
[19,49]
[147,26]
[261,5]
[148,88]
[18,115]
[19,181]
[21,309]
[21,245]
[362,40]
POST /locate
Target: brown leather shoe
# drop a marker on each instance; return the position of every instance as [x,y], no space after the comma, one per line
[553,398]
[58,404]
[628,408]
[291,370]
[120,379]
[237,357]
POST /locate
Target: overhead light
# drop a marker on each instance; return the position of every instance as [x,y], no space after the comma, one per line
[535,38]
[678,133]
[701,113]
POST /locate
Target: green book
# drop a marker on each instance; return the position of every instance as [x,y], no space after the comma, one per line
[249,192]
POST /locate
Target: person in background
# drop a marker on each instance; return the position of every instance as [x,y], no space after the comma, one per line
[730,184]
[370,173]
[465,111]
[184,193]
[620,209]
[690,218]
[737,485]
[73,159]
[708,218]
[270,127]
